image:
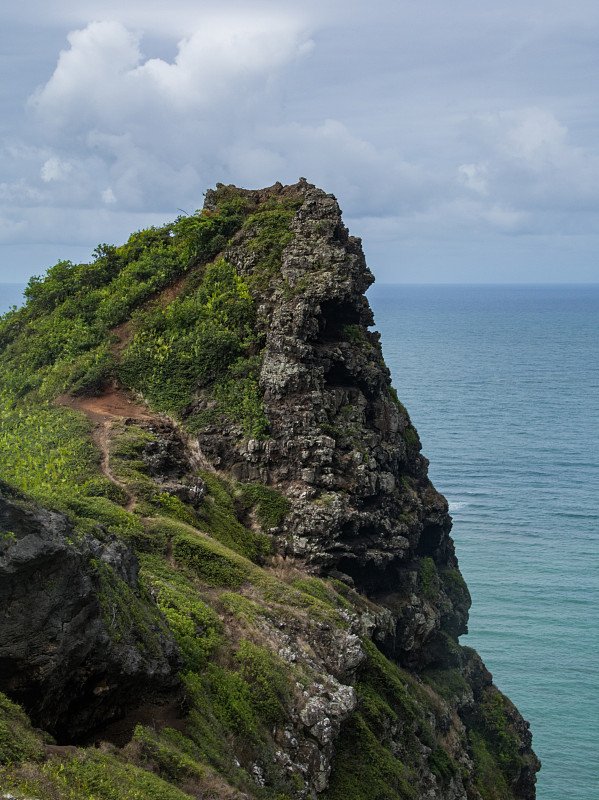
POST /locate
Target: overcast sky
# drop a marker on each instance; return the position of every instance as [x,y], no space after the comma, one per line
[461,138]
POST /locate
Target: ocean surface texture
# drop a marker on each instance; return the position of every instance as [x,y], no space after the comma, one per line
[502,384]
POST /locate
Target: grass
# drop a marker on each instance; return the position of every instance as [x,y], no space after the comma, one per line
[90,775]
[18,740]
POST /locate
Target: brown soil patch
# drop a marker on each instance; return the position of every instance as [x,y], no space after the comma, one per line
[60,751]
[124,331]
[103,410]
[167,295]
[108,406]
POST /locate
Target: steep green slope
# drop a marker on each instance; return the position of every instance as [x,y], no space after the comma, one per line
[209,394]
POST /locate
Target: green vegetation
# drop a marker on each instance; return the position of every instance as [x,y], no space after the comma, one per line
[355,334]
[411,439]
[18,740]
[171,762]
[269,232]
[394,397]
[448,683]
[215,565]
[201,337]
[46,451]
[266,676]
[126,613]
[365,765]
[192,342]
[323,591]
[219,517]
[90,775]
[455,586]
[428,579]
[495,745]
[271,506]
[380,751]
[195,625]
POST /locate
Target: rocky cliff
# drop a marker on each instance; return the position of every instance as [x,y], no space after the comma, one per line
[242,530]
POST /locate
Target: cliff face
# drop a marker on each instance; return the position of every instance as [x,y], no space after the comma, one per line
[340,444]
[272,486]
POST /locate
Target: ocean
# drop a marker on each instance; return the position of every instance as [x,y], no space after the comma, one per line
[502,383]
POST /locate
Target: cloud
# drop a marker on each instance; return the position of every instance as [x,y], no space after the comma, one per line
[474,177]
[531,137]
[160,132]
[530,164]
[55,170]
[103,81]
[108,196]
[426,121]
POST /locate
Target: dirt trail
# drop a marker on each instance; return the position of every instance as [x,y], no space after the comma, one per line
[113,404]
[104,410]
[101,437]
[120,404]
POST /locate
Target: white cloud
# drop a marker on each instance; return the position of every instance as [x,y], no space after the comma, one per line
[158,132]
[19,193]
[10,228]
[87,74]
[103,81]
[55,170]
[474,176]
[531,136]
[531,164]
[108,196]
[454,130]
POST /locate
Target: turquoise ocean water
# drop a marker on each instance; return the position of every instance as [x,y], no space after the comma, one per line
[502,384]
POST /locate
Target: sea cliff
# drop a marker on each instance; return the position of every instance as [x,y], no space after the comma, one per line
[221,557]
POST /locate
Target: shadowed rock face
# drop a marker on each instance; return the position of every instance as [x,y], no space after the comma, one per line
[341,446]
[78,643]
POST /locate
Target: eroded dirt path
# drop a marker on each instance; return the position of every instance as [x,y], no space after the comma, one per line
[101,437]
[113,404]
[104,410]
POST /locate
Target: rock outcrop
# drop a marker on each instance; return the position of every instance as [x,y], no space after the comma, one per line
[79,642]
[340,444]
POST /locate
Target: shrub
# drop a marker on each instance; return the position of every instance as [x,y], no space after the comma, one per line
[271,506]
[428,579]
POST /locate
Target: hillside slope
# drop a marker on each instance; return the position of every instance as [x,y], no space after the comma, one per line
[224,571]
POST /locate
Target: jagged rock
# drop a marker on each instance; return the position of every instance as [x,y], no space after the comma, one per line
[340,445]
[79,642]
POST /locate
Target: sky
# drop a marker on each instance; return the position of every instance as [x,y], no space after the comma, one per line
[461,139]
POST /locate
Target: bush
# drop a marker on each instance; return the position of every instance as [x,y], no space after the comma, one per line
[271,506]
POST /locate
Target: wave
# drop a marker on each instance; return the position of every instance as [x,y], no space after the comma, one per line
[457,505]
